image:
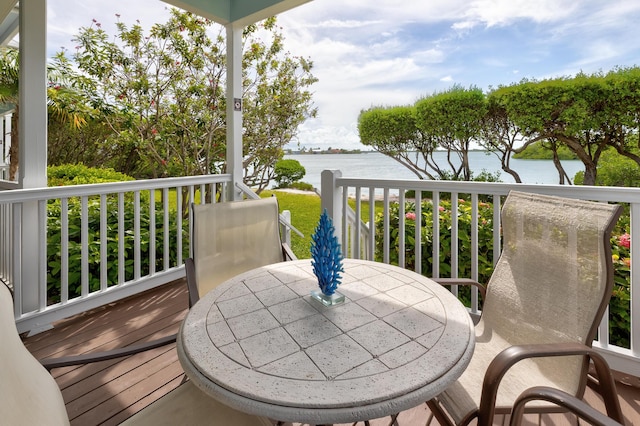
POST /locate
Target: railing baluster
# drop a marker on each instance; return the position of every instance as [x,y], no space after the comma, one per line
[165,229]
[344,219]
[179,213]
[358,228]
[153,241]
[372,223]
[418,232]
[635,282]
[103,242]
[454,240]
[401,229]
[136,235]
[436,233]
[42,253]
[64,250]
[121,232]
[474,250]
[84,245]
[385,227]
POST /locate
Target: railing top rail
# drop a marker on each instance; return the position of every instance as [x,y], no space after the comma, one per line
[107,188]
[596,193]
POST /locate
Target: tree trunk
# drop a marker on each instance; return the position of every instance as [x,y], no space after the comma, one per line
[590,173]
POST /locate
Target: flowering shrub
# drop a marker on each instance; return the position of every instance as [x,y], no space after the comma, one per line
[619,308]
[619,313]
[485,239]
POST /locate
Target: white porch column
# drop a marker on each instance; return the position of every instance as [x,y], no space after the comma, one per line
[234,108]
[331,199]
[33,141]
[33,94]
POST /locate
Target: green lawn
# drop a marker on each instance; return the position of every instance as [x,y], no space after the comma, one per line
[305,213]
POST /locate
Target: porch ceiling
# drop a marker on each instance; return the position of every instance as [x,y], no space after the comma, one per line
[8,21]
[237,12]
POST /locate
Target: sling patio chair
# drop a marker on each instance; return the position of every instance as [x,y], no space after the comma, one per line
[574,405]
[540,312]
[30,395]
[233,237]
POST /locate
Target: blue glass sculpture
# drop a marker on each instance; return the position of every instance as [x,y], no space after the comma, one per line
[326,261]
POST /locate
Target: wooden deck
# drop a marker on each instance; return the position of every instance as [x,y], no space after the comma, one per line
[108,392]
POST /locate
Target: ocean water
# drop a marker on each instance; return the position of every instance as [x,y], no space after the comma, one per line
[374,165]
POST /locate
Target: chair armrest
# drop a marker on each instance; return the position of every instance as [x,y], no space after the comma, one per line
[288,253]
[510,356]
[462,281]
[51,363]
[562,399]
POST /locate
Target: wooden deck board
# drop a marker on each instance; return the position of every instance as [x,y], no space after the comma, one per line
[108,392]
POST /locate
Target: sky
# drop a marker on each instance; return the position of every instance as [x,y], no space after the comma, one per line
[394,52]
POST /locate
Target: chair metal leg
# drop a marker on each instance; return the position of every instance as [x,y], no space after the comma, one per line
[394,420]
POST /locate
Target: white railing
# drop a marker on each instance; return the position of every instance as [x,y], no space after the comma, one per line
[338,192]
[101,253]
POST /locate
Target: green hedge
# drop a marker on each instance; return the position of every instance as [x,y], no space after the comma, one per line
[76,174]
[619,325]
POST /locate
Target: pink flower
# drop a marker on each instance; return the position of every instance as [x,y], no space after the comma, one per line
[440,208]
[624,240]
[410,216]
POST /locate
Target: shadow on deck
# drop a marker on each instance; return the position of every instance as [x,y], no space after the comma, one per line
[108,392]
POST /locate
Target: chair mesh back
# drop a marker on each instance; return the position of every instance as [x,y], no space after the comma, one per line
[554,276]
[28,393]
[234,237]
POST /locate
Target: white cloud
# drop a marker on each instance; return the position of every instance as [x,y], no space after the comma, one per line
[504,12]
[391,52]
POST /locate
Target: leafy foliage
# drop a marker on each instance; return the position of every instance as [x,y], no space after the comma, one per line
[288,171]
[78,174]
[66,106]
[581,117]
[485,237]
[538,151]
[452,120]
[620,306]
[614,170]
[153,104]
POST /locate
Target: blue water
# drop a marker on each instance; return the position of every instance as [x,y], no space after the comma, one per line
[374,165]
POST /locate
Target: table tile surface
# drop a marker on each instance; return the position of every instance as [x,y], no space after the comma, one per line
[261,336]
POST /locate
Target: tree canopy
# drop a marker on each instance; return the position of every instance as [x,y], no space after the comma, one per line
[586,114]
[153,102]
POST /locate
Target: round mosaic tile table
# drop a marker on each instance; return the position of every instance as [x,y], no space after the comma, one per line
[261,344]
